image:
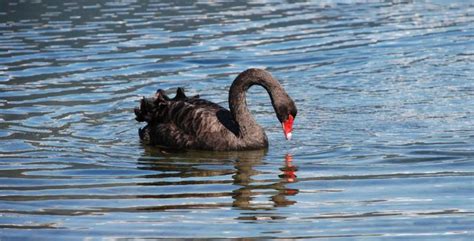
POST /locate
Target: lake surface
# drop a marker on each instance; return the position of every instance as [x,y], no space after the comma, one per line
[383,141]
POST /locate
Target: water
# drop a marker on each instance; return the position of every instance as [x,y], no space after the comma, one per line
[383,140]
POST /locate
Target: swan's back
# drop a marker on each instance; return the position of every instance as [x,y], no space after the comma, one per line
[187,123]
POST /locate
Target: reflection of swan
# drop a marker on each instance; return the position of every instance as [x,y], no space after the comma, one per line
[185,170]
[250,188]
[192,123]
[289,170]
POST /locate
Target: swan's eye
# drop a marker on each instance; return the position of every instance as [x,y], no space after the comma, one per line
[293,114]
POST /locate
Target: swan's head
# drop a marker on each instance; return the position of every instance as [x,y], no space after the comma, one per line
[286,114]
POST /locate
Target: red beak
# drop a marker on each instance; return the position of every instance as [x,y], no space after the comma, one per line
[288,127]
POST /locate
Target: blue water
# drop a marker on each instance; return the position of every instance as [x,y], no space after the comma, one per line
[382,147]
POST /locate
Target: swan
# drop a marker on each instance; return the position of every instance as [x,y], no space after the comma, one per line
[186,122]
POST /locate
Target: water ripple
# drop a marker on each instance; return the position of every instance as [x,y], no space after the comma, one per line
[382,145]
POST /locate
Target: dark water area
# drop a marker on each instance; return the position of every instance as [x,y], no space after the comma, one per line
[382,147]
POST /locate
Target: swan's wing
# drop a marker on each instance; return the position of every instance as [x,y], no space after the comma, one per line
[186,122]
[160,108]
[195,117]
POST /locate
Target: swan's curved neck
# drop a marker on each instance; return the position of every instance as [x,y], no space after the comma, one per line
[237,101]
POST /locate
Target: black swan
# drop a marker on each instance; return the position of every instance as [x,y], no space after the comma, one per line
[192,123]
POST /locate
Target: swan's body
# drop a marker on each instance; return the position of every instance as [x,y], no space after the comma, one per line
[194,123]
